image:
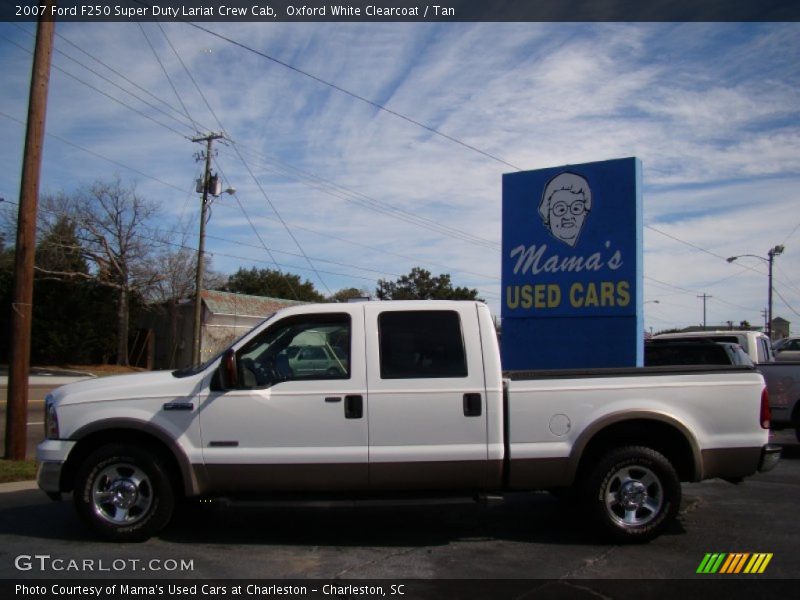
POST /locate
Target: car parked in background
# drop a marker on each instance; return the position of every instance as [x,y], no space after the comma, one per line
[318,360]
[782,376]
[754,343]
[696,351]
[788,349]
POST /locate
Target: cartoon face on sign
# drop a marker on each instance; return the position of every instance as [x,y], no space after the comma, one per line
[565,203]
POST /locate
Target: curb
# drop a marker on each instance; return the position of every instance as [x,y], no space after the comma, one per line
[18,486]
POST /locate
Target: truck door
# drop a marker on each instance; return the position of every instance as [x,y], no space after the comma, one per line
[427,409]
[288,430]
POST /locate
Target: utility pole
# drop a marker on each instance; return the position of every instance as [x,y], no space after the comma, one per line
[25,252]
[704,297]
[773,252]
[198,283]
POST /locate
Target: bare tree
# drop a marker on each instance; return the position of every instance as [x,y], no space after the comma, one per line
[111,227]
[177,262]
[178,265]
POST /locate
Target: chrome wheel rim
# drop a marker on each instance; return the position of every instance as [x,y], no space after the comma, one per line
[122,494]
[634,496]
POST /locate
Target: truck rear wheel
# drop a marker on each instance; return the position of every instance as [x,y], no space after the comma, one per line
[123,493]
[632,493]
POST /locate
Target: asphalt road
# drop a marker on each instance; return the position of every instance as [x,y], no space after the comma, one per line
[530,536]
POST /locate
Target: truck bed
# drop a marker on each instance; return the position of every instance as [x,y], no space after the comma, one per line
[625,371]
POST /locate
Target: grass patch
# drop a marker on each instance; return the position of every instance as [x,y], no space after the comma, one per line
[17,470]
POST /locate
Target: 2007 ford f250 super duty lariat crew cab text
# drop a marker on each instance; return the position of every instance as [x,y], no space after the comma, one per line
[412,402]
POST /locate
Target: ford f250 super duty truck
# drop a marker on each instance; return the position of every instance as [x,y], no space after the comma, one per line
[412,402]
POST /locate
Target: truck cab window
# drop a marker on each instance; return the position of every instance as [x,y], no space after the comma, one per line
[421,344]
[763,351]
[304,347]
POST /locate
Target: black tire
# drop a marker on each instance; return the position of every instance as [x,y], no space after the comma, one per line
[632,494]
[123,493]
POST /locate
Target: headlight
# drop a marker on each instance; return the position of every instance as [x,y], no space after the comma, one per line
[50,418]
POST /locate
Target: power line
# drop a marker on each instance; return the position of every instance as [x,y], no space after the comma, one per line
[106,79]
[191,77]
[255,229]
[691,245]
[166,74]
[365,201]
[350,194]
[153,237]
[324,185]
[400,115]
[791,233]
[381,108]
[338,88]
[709,252]
[419,261]
[106,94]
[117,73]
[280,218]
[110,81]
[98,155]
[688,291]
[787,282]
[247,167]
[157,236]
[786,302]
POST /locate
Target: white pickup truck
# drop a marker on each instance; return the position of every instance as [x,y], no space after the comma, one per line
[413,403]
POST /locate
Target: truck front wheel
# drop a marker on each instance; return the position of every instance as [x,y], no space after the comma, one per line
[123,493]
[633,492]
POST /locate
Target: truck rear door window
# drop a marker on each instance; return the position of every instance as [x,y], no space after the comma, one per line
[421,344]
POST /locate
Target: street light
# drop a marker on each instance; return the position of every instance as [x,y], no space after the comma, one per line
[773,252]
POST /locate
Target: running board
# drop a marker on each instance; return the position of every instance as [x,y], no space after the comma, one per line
[300,503]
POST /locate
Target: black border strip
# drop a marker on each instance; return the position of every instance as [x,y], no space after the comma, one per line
[730,587]
[273,11]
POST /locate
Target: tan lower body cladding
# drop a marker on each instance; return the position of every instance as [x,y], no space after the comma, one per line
[337,477]
[525,474]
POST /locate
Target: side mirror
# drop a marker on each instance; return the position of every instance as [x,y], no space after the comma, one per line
[227,375]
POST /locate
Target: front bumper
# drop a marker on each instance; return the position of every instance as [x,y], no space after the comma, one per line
[770,455]
[51,456]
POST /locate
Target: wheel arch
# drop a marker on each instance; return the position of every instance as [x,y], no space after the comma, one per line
[655,430]
[795,418]
[137,433]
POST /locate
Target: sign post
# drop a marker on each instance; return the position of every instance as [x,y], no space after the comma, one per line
[572,267]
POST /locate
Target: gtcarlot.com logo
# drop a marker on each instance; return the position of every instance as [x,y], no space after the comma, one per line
[734,563]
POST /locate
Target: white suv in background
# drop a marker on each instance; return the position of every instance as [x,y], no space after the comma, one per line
[755,343]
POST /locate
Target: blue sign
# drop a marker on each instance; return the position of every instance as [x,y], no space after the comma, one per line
[572,267]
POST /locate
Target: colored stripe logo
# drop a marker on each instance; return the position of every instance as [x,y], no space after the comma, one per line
[734,563]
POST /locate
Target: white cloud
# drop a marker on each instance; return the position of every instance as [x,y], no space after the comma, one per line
[712,110]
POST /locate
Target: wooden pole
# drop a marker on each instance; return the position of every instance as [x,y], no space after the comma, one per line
[22,299]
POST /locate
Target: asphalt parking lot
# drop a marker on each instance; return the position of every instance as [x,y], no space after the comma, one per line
[530,536]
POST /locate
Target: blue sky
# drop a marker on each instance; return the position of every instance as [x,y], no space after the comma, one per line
[712,110]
